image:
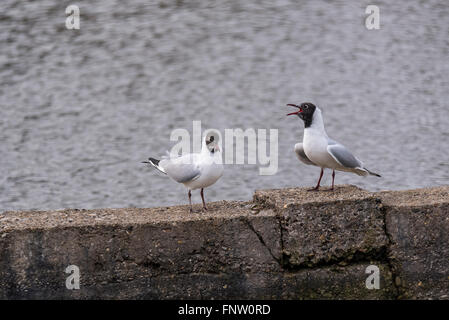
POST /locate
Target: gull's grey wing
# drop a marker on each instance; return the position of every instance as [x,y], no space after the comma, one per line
[180,169]
[343,156]
[299,150]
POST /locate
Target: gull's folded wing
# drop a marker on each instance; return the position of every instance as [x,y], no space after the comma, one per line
[299,150]
[343,156]
[182,169]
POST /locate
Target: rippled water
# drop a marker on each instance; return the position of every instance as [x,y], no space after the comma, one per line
[79,109]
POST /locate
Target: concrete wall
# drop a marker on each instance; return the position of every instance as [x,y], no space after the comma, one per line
[285,244]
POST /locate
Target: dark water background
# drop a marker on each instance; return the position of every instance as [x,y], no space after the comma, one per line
[79,109]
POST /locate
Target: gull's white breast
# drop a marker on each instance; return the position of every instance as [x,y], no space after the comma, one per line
[210,172]
[315,147]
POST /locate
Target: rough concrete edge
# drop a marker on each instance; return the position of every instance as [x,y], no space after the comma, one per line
[382,256]
[392,262]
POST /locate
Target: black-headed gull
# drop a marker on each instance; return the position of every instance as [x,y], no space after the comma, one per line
[319,150]
[195,170]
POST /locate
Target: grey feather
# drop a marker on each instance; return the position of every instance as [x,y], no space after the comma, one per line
[299,150]
[180,170]
[343,156]
[155,163]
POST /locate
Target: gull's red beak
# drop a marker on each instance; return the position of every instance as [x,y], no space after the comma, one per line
[296,106]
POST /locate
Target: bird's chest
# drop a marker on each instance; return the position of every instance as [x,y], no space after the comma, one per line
[210,173]
[315,147]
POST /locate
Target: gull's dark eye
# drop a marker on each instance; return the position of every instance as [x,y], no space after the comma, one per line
[211,139]
[306,106]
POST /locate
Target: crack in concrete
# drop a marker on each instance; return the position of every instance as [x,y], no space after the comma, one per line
[259,236]
[381,254]
[388,260]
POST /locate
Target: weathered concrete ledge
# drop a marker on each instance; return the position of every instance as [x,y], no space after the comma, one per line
[285,244]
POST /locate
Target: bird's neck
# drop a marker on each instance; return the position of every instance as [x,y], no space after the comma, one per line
[216,156]
[204,149]
[317,124]
[212,157]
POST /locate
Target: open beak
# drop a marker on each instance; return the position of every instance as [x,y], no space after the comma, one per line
[296,106]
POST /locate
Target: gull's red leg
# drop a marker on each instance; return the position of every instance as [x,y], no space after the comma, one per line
[333,178]
[319,181]
[190,201]
[202,198]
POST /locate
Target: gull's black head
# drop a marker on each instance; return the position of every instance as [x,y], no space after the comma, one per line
[212,142]
[305,112]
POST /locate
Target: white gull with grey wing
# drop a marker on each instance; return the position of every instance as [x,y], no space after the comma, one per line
[195,170]
[319,150]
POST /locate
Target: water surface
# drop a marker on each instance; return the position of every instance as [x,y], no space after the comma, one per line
[80,109]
